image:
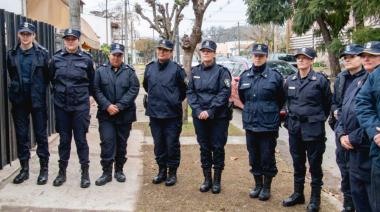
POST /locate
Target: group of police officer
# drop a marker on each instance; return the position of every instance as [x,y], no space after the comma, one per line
[354,109]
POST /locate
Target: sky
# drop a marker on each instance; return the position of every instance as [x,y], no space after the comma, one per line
[225,13]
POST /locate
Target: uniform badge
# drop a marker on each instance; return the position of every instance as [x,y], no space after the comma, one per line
[303,49]
[291,88]
[348,48]
[196,77]
[259,48]
[117,46]
[294,77]
[359,83]
[314,78]
[207,43]
[26,25]
[163,42]
[368,46]
[70,31]
[227,83]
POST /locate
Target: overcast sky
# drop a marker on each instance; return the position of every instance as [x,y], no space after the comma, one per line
[224,13]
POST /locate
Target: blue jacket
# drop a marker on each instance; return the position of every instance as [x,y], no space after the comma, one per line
[72,75]
[166,88]
[309,103]
[368,110]
[263,97]
[208,90]
[119,88]
[39,77]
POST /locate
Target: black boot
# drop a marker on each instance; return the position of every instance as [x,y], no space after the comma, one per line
[254,193]
[296,198]
[348,205]
[315,200]
[265,192]
[43,176]
[107,173]
[161,176]
[216,186]
[24,172]
[119,174]
[85,177]
[172,179]
[61,178]
[207,184]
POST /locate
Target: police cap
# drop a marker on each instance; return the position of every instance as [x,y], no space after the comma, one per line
[372,47]
[308,52]
[27,27]
[208,44]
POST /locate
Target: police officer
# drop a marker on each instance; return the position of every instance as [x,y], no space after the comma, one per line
[208,91]
[261,91]
[72,73]
[164,81]
[116,88]
[29,76]
[309,101]
[352,138]
[368,113]
[353,66]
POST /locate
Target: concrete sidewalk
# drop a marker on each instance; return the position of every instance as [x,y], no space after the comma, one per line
[114,196]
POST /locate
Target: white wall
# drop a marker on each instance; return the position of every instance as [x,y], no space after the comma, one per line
[99,26]
[15,6]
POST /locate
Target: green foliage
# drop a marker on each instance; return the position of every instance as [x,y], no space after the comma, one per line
[365,34]
[269,11]
[105,49]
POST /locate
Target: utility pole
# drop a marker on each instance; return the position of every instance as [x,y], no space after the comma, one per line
[107,22]
[74,6]
[238,31]
[126,30]
[177,46]
[132,37]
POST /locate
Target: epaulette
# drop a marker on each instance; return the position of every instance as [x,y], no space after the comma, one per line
[42,48]
[88,54]
[59,52]
[323,74]
[292,76]
[149,63]
[129,66]
[104,64]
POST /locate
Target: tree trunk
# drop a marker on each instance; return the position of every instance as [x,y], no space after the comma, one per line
[333,60]
[74,6]
[187,59]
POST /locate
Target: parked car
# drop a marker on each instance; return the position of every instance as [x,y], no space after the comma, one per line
[283,67]
[284,57]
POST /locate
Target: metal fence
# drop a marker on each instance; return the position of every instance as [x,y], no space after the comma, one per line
[9,23]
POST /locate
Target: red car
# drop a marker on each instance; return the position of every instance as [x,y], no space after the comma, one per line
[283,67]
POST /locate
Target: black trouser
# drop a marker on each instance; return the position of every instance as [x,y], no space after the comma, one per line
[375,187]
[342,159]
[360,190]
[113,138]
[313,150]
[67,124]
[167,148]
[212,137]
[20,114]
[261,148]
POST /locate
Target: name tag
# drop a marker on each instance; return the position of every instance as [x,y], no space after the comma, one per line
[196,77]
[245,84]
[292,88]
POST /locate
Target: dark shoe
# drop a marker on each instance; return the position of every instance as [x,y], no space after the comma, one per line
[348,205]
[61,178]
[296,198]
[85,177]
[119,174]
[315,200]
[107,174]
[172,179]
[43,176]
[161,176]
[216,186]
[265,192]
[254,193]
[207,184]
[24,172]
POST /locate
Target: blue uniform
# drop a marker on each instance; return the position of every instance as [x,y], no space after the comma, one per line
[72,75]
[29,78]
[209,89]
[309,103]
[359,163]
[342,82]
[368,110]
[261,91]
[120,88]
[166,88]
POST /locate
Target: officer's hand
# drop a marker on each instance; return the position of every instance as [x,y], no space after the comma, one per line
[203,115]
[376,139]
[345,141]
[112,109]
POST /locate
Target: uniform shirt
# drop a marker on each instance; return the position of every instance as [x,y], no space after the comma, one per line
[26,58]
[166,88]
[368,110]
[72,76]
[309,103]
[260,90]
[208,90]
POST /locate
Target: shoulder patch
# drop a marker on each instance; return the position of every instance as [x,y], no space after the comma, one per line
[323,74]
[42,48]
[88,54]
